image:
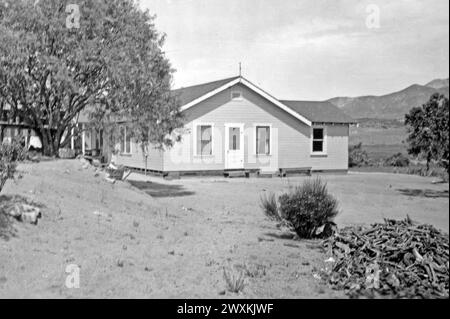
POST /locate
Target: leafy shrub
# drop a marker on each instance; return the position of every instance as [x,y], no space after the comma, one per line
[357,157]
[307,209]
[397,160]
[10,154]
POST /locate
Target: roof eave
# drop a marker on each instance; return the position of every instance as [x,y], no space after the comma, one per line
[333,123]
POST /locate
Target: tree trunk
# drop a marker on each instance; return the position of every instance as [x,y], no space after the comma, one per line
[428,161]
[50,145]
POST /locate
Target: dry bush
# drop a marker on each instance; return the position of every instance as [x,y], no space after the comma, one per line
[270,207]
[235,280]
[253,270]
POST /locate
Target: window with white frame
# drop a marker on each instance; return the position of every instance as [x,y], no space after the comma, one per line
[125,140]
[262,140]
[318,140]
[204,140]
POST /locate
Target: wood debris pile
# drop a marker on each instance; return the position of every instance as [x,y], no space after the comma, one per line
[398,259]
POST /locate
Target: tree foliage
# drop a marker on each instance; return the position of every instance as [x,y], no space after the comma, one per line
[110,65]
[428,130]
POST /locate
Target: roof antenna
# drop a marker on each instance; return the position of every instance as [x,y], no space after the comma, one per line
[240,69]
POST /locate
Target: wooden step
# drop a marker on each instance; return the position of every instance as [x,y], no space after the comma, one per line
[236,173]
[295,171]
[267,174]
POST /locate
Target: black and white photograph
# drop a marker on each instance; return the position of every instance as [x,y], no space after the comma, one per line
[241,151]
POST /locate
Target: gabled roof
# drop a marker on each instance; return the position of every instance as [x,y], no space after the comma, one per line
[191,93]
[320,112]
[192,96]
[306,111]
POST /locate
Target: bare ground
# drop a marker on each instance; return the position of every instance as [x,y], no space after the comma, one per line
[162,239]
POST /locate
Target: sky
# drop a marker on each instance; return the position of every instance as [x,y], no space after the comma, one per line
[307,49]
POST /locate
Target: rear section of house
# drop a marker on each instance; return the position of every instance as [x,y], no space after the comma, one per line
[234,125]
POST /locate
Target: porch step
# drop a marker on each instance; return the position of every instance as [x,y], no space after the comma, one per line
[267,174]
[295,171]
[236,173]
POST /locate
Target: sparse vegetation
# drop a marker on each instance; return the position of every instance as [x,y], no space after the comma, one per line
[10,154]
[270,207]
[5,226]
[393,161]
[235,279]
[397,160]
[421,170]
[214,228]
[357,157]
[254,270]
[308,209]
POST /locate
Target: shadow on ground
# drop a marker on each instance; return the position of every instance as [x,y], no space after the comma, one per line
[283,235]
[430,193]
[162,190]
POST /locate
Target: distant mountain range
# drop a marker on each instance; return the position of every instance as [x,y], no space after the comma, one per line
[391,106]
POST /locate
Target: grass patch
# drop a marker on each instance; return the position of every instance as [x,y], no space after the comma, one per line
[234,279]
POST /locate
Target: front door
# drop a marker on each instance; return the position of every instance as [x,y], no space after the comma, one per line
[234,146]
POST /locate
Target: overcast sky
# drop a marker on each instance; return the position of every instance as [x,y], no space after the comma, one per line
[307,49]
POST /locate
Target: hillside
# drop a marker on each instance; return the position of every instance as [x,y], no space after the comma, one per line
[390,106]
[438,83]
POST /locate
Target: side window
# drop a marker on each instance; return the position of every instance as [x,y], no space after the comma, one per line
[318,140]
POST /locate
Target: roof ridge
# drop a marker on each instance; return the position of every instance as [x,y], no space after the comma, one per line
[207,83]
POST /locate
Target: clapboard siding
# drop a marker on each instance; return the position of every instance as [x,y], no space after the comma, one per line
[291,139]
[137,160]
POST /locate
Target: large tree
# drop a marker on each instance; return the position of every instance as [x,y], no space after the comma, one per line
[428,130]
[58,58]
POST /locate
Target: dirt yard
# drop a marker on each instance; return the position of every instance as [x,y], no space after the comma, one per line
[172,239]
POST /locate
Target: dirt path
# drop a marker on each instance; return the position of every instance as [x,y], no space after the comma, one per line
[175,243]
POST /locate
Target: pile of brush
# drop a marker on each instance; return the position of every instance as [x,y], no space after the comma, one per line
[398,259]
